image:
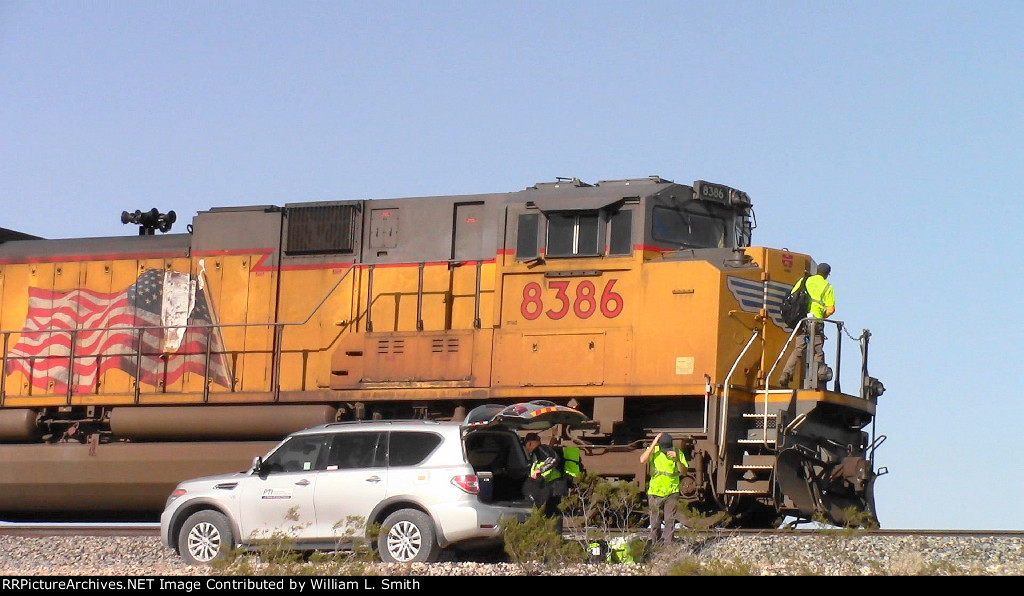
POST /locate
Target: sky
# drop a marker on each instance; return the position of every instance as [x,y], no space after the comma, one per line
[882,137]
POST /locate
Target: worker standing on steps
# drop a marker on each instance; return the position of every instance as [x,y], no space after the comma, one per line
[821,306]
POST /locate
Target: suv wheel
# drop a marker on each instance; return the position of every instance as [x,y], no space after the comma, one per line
[408,536]
[205,537]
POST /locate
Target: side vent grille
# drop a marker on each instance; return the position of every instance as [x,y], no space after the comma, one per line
[391,346]
[441,345]
[321,229]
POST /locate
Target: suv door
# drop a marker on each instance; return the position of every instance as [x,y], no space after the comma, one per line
[407,450]
[353,482]
[278,497]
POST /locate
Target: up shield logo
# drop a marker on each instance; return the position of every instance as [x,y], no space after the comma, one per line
[750,294]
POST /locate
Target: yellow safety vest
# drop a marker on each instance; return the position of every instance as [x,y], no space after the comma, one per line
[664,473]
[821,294]
[551,475]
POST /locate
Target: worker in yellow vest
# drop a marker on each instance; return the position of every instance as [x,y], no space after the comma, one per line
[665,464]
[546,484]
[821,306]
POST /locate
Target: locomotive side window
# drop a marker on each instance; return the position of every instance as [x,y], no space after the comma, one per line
[527,236]
[693,226]
[356,450]
[573,234]
[620,240]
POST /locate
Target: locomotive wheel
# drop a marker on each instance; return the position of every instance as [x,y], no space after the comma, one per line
[408,536]
[205,537]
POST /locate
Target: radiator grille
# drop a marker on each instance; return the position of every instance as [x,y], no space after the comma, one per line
[321,229]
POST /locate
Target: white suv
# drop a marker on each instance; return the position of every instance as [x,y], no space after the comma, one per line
[429,485]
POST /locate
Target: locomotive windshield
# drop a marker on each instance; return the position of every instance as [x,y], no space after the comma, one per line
[695,225]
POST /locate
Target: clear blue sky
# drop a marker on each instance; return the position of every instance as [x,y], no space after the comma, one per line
[883,137]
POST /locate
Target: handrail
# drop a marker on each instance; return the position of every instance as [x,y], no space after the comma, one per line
[279,327]
[3,371]
[138,330]
[840,327]
[809,358]
[723,412]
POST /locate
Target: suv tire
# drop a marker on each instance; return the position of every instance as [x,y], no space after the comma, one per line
[205,537]
[408,536]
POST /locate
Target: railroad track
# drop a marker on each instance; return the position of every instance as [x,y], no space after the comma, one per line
[78,529]
[153,529]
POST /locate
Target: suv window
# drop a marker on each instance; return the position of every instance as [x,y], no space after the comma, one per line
[489,451]
[300,454]
[411,448]
[356,450]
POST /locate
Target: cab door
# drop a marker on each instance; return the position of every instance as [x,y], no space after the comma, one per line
[278,498]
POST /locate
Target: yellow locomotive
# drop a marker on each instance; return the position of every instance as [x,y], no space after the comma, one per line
[131,363]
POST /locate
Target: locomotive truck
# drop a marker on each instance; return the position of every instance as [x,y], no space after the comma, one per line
[133,362]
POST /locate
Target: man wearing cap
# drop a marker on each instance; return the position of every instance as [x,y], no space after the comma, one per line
[821,306]
[546,484]
[666,463]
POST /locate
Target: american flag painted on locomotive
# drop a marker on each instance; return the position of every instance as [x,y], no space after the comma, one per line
[750,294]
[168,352]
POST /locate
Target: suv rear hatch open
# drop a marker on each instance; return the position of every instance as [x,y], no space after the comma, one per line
[495,450]
[525,416]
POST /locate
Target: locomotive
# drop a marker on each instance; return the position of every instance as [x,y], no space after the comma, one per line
[131,363]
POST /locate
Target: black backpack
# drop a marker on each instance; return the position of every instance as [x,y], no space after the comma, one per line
[795,305]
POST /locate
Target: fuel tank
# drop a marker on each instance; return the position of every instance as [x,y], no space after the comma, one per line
[216,423]
[70,480]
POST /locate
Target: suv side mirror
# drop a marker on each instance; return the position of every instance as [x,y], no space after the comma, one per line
[257,465]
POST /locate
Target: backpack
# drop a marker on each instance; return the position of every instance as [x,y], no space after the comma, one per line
[796,305]
[572,463]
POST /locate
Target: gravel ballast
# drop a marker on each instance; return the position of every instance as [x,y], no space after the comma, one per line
[826,553]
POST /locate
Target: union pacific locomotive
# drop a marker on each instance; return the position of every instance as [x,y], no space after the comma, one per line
[131,363]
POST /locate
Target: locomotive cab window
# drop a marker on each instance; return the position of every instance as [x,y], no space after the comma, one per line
[692,226]
[527,247]
[573,234]
[620,232]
